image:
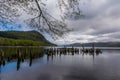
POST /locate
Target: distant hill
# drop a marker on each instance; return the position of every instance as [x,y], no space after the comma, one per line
[23,38]
[98,44]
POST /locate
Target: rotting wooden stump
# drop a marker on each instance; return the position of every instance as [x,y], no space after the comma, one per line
[2,60]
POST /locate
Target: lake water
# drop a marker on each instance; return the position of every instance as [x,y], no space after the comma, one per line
[103,66]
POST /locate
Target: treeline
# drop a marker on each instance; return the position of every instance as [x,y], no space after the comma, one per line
[20,42]
[25,35]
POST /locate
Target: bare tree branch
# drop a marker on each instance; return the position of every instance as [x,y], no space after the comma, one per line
[42,20]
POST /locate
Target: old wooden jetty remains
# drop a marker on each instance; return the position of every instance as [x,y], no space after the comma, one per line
[91,50]
[19,55]
[71,51]
[60,51]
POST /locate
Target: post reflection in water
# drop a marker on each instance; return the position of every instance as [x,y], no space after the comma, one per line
[30,64]
[51,52]
[62,64]
[22,54]
[18,64]
[19,54]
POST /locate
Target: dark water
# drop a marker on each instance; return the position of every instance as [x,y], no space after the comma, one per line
[105,66]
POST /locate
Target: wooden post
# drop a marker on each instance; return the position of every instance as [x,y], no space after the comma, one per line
[30,64]
[18,59]
[2,61]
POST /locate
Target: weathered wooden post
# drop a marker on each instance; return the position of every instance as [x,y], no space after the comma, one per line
[2,60]
[93,48]
[30,64]
[83,49]
[18,59]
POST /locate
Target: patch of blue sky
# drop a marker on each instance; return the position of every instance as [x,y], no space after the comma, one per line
[10,27]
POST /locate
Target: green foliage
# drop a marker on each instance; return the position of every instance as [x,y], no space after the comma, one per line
[14,42]
[27,35]
[22,38]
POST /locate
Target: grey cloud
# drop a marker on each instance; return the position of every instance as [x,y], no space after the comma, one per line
[101,21]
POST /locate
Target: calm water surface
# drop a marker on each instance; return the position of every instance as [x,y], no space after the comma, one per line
[105,66]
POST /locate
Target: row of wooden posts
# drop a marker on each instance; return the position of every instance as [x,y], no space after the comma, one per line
[19,56]
[53,51]
[49,51]
[72,51]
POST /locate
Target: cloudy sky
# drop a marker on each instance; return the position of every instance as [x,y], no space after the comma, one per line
[100,24]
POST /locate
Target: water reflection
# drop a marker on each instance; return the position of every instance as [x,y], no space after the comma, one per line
[19,55]
[62,64]
[62,52]
[22,54]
